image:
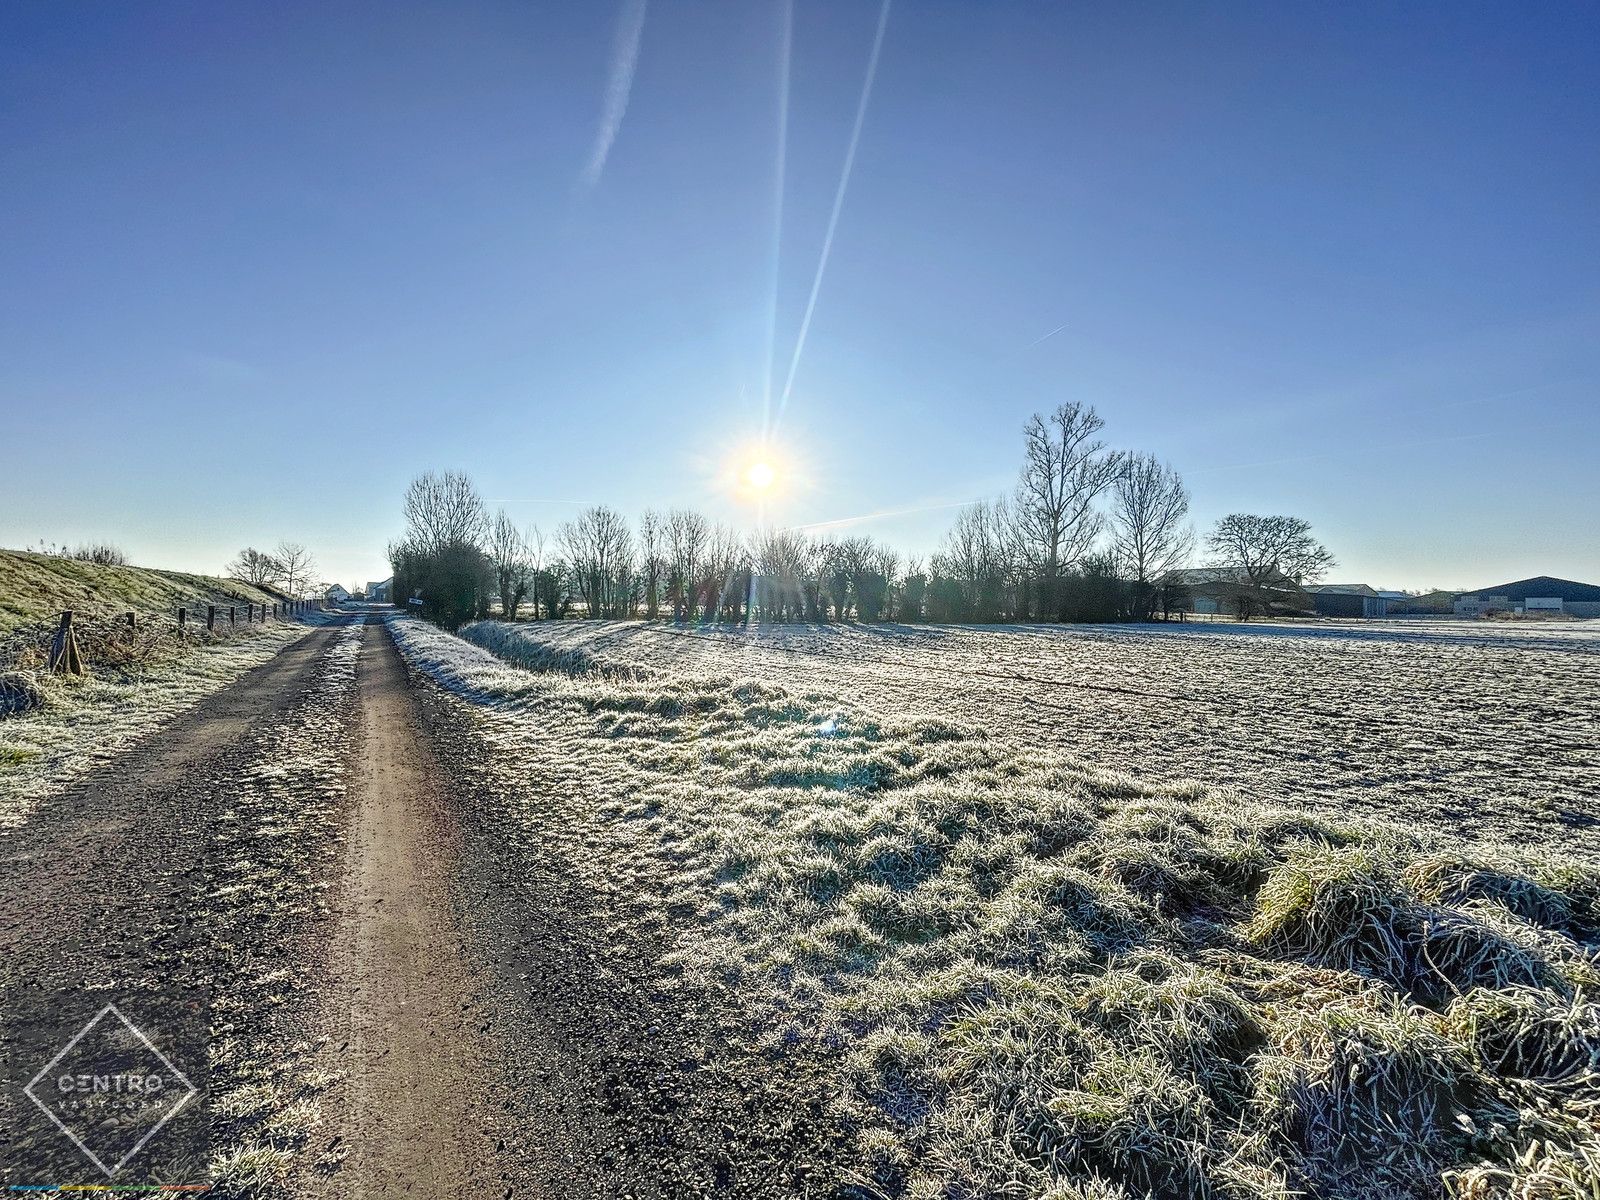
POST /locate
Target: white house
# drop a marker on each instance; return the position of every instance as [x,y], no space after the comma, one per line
[337,594]
[380,592]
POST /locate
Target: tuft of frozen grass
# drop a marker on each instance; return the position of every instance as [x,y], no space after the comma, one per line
[250,1171]
[1041,979]
[1346,907]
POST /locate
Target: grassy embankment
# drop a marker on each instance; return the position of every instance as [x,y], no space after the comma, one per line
[52,727]
[1040,980]
[35,588]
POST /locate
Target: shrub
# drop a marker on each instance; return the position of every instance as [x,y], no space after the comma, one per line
[100,553]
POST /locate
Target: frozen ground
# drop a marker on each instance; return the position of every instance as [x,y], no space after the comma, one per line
[1013,972]
[87,723]
[1487,728]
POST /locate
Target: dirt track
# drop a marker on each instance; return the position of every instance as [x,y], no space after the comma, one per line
[399,992]
[405,999]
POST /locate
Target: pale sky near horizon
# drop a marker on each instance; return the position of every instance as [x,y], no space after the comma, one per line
[262,263]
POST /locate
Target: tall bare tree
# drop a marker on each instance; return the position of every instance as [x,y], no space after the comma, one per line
[978,559]
[599,550]
[441,558]
[541,580]
[1269,553]
[721,583]
[688,534]
[255,566]
[782,560]
[1149,511]
[652,560]
[508,555]
[1064,472]
[443,510]
[296,568]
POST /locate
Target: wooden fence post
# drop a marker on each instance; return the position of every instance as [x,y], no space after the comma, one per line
[183,617]
[133,625]
[211,617]
[233,610]
[64,656]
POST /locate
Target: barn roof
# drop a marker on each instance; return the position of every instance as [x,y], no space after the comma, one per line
[1342,589]
[1541,585]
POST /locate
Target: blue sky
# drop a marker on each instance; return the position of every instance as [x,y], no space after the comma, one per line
[263,263]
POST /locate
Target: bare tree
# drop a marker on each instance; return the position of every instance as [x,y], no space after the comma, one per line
[508,555]
[599,550]
[1269,553]
[534,544]
[255,567]
[867,570]
[296,568]
[913,591]
[441,559]
[652,560]
[979,561]
[782,561]
[1148,511]
[688,533]
[721,583]
[443,511]
[1065,470]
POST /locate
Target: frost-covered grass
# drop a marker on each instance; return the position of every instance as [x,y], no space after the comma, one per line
[36,587]
[1039,978]
[84,723]
[1479,726]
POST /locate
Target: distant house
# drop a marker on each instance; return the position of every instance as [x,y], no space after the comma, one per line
[1227,590]
[337,594]
[1348,600]
[379,593]
[1542,593]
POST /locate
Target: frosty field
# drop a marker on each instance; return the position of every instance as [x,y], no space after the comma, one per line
[1488,730]
[1148,940]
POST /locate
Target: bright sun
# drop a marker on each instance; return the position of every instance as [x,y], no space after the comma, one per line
[760,475]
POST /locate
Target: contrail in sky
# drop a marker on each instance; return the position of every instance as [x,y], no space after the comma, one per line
[838,202]
[785,53]
[840,522]
[624,58]
[1045,338]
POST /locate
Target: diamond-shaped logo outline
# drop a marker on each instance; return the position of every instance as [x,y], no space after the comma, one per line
[111,1171]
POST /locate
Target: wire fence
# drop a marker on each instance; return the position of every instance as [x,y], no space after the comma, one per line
[130,638]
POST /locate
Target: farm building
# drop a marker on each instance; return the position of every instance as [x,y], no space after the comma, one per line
[379,592]
[1226,590]
[337,594]
[1348,600]
[1435,603]
[1542,593]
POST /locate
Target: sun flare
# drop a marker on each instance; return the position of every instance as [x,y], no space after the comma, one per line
[760,475]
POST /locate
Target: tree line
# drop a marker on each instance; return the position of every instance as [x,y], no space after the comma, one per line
[1088,534]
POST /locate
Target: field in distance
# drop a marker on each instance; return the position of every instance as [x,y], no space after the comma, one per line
[1483,728]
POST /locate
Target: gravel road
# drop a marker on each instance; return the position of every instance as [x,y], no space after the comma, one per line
[404,999]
